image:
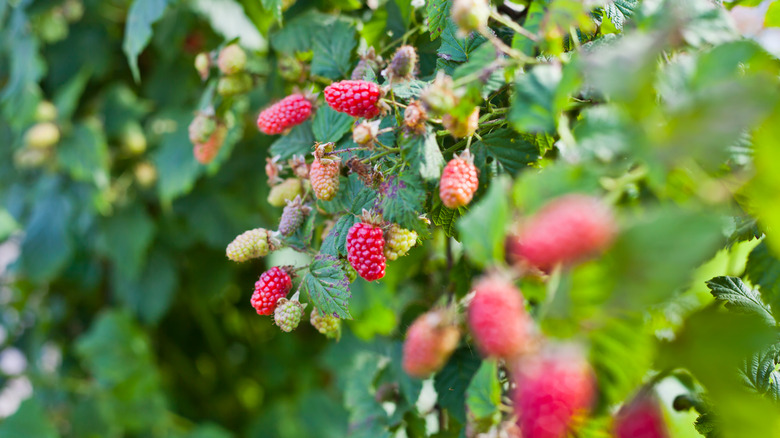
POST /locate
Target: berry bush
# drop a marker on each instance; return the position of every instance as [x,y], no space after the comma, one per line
[462,218]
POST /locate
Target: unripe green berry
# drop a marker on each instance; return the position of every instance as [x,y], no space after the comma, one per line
[203,65]
[288,314]
[133,139]
[45,112]
[248,245]
[328,325]
[232,59]
[42,135]
[234,84]
[287,190]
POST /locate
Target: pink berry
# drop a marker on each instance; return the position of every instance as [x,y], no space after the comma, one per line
[498,320]
[288,112]
[273,284]
[642,418]
[459,181]
[551,389]
[430,341]
[365,250]
[356,98]
[566,230]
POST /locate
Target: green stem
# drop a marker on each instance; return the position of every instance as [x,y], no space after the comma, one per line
[381,154]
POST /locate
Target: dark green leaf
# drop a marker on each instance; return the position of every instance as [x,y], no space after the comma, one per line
[423,152]
[138,29]
[446,218]
[298,34]
[438,12]
[763,270]
[513,152]
[333,47]
[739,298]
[451,382]
[299,141]
[330,125]
[458,49]
[328,286]
[760,373]
[403,199]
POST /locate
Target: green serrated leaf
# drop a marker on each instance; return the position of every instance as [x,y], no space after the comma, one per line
[423,152]
[408,89]
[138,29]
[438,12]
[490,216]
[760,373]
[483,395]
[328,286]
[763,270]
[451,382]
[458,49]
[619,11]
[333,47]
[403,199]
[740,298]
[330,125]
[513,152]
[298,34]
[298,142]
[446,218]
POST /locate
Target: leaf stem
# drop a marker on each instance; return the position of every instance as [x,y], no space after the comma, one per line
[506,21]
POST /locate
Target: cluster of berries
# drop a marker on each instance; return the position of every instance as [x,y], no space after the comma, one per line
[552,383]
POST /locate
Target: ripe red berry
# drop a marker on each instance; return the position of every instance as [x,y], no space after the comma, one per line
[642,418]
[430,341]
[566,230]
[356,98]
[458,181]
[324,177]
[273,284]
[551,388]
[365,250]
[497,319]
[288,112]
